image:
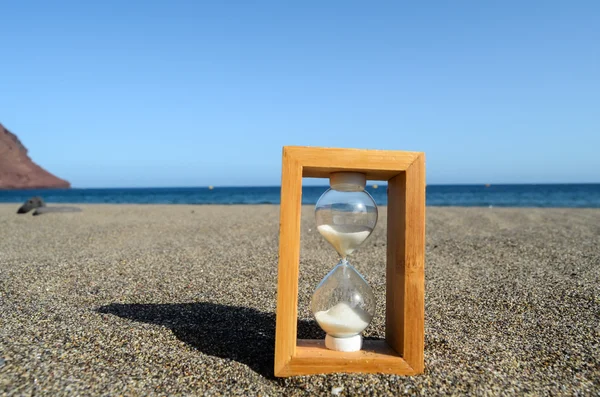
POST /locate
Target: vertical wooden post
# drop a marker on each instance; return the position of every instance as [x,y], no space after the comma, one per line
[289,262]
[405,278]
[395,266]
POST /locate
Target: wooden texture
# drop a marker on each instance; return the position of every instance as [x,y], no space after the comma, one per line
[289,261]
[312,357]
[402,351]
[378,165]
[405,278]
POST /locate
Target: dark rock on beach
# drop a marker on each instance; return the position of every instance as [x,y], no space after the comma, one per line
[31,204]
[40,207]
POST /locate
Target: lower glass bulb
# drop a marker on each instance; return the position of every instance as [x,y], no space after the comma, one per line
[343,305]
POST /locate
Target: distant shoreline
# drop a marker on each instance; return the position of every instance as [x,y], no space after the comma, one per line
[369,185]
[516,196]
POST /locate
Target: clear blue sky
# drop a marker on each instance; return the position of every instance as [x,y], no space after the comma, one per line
[196,93]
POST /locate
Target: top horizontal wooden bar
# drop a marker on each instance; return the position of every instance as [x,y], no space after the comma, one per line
[378,165]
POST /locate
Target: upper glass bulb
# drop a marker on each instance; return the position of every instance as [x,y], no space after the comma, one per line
[346,214]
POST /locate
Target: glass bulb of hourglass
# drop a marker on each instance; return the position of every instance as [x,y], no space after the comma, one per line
[343,303]
[346,214]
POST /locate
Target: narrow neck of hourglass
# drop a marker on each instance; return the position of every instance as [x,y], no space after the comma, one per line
[345,265]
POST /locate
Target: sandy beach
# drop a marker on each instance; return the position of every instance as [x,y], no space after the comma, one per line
[172,300]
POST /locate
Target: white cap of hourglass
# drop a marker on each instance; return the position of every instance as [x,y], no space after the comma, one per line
[350,344]
[347,181]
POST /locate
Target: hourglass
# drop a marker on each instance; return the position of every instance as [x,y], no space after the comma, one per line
[343,303]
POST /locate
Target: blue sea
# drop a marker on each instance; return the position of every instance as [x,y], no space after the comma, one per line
[542,195]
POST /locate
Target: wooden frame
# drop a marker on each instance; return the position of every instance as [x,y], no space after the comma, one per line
[402,350]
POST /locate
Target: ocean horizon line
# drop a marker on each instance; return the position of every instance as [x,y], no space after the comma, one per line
[567,195]
[381,184]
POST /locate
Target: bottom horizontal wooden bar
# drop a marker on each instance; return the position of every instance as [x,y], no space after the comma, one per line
[312,357]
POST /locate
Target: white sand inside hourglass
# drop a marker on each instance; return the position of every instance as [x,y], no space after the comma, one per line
[345,238]
[342,320]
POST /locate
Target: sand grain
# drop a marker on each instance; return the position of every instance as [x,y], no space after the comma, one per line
[166,300]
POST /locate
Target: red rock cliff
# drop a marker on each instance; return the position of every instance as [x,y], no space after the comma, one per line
[17,171]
